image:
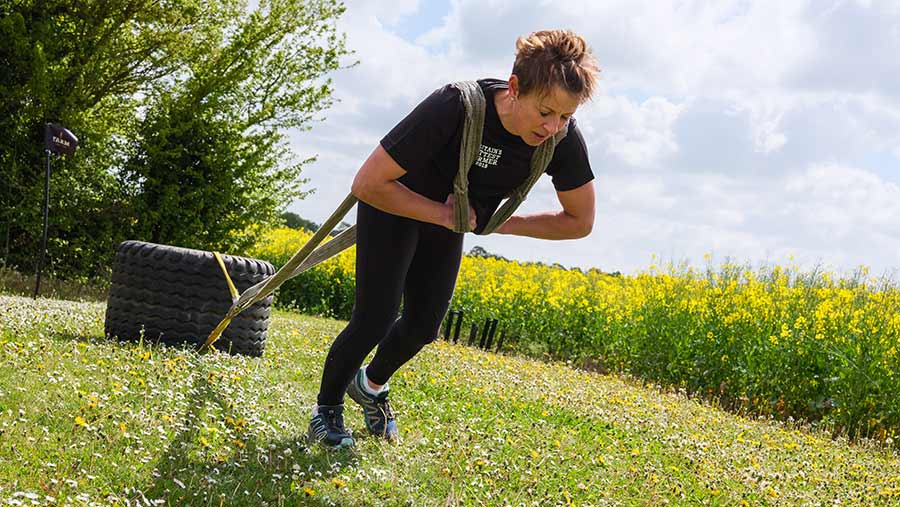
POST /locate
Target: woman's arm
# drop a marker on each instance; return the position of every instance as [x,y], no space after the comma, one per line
[376,184]
[575,220]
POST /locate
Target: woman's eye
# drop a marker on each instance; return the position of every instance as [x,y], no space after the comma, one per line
[543,113]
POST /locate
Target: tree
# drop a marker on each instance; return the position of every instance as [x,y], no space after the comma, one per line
[478,251]
[221,128]
[295,221]
[81,64]
[178,106]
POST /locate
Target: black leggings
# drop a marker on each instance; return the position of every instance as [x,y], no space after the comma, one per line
[395,256]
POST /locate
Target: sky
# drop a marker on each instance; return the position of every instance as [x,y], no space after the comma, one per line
[764,132]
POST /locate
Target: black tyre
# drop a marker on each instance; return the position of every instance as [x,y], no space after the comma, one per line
[178,296]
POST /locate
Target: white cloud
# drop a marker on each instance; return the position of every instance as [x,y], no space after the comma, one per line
[841,201]
[640,135]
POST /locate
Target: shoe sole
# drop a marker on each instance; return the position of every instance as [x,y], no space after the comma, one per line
[344,444]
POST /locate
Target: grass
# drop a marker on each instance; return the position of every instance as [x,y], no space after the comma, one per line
[89,421]
[20,284]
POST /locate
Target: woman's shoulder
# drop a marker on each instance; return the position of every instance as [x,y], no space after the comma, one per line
[573,140]
[450,91]
[446,99]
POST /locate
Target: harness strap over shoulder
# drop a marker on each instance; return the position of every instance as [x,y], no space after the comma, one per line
[474,104]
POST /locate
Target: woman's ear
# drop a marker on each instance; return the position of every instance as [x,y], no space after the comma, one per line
[514,86]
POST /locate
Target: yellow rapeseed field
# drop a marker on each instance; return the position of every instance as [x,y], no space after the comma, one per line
[770,340]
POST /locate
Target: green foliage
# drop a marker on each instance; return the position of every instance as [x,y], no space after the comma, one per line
[177,106]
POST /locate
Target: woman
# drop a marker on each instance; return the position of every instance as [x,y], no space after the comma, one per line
[406,244]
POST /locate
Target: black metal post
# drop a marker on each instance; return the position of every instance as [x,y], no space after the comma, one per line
[459,319]
[42,253]
[484,333]
[449,327]
[500,342]
[493,330]
[473,333]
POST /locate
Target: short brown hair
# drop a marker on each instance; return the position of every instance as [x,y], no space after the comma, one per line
[555,58]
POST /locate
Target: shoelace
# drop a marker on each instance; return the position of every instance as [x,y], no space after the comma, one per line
[336,420]
[382,403]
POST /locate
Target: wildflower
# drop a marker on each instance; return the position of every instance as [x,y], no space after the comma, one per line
[338,483]
[80,421]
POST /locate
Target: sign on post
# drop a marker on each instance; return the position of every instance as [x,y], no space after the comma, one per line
[58,140]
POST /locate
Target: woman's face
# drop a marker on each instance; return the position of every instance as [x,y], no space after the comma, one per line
[541,115]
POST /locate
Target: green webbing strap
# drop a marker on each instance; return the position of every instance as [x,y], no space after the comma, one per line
[473,128]
[305,258]
[539,162]
[308,256]
[475,104]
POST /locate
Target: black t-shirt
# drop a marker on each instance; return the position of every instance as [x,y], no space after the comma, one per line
[426,144]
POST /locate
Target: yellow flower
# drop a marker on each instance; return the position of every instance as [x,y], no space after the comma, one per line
[338,483]
[80,421]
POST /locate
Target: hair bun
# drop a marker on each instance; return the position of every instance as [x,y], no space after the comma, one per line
[555,58]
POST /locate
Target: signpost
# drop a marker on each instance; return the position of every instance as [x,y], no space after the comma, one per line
[57,140]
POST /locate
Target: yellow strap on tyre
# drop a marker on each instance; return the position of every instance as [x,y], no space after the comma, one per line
[217,332]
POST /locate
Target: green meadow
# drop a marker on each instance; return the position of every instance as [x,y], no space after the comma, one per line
[85,420]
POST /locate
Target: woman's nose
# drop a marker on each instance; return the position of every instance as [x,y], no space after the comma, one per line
[553,126]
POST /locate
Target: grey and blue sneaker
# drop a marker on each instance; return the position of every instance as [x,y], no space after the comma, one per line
[376,409]
[327,427]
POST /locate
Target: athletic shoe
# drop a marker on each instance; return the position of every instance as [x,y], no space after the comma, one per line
[327,427]
[376,409]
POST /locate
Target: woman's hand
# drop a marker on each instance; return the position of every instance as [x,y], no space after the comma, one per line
[450,214]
